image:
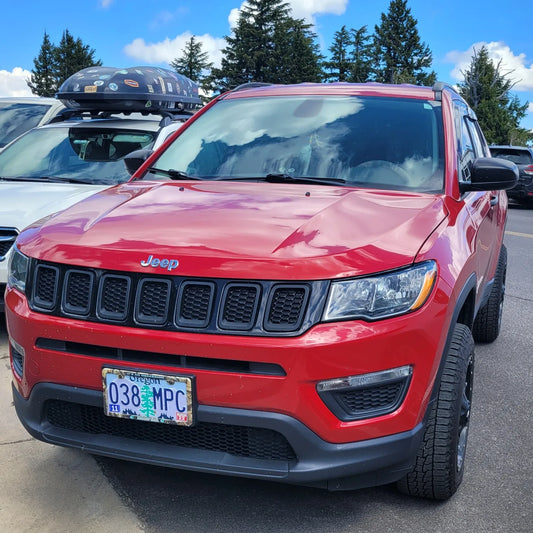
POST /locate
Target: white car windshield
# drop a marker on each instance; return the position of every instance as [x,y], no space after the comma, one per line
[86,155]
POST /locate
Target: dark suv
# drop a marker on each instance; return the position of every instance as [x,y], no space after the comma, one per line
[523,157]
[288,289]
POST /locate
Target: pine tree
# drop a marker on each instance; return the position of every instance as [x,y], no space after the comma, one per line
[399,54]
[487,91]
[268,45]
[147,401]
[296,56]
[193,62]
[57,63]
[360,57]
[340,65]
[71,56]
[42,80]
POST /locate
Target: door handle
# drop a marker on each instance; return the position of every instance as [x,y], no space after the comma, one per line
[493,200]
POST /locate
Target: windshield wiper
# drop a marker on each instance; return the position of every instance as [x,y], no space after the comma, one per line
[287,178]
[173,174]
[48,179]
[284,178]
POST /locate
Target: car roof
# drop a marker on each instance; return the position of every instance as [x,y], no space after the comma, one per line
[152,123]
[510,147]
[340,88]
[31,100]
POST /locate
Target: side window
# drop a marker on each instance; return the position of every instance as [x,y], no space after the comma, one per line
[475,135]
[465,144]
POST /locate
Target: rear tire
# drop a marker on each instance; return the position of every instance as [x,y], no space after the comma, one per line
[489,318]
[439,465]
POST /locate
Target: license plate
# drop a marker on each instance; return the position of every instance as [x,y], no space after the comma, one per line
[159,398]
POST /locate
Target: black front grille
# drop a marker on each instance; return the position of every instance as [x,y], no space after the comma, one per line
[240,441]
[176,303]
[7,239]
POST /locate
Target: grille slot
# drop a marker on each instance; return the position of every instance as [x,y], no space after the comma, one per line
[286,307]
[151,306]
[77,293]
[240,306]
[45,289]
[240,441]
[113,297]
[195,302]
[152,358]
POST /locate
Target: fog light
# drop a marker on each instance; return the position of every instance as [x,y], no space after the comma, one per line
[17,356]
[366,395]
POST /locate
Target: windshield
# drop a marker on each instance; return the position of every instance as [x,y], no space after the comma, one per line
[87,155]
[390,143]
[16,118]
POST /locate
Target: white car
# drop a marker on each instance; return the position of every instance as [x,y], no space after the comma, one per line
[51,167]
[18,115]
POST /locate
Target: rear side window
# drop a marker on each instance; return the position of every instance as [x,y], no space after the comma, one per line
[520,157]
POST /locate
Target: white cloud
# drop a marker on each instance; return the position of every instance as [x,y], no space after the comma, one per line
[169,49]
[14,83]
[303,9]
[515,66]
[106,3]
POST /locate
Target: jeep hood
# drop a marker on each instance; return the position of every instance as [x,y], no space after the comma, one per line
[25,202]
[240,230]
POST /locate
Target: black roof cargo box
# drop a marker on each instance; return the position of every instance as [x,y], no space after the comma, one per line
[133,89]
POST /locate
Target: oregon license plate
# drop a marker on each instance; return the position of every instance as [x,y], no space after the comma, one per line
[159,398]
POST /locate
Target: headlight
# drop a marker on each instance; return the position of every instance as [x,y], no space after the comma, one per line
[18,270]
[382,296]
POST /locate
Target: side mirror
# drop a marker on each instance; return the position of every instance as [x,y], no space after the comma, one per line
[491,174]
[136,158]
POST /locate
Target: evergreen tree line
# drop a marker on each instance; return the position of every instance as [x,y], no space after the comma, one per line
[269,45]
[55,64]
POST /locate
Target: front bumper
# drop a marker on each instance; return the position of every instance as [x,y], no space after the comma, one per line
[306,459]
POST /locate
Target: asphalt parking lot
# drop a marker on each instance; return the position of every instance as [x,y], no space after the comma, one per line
[46,488]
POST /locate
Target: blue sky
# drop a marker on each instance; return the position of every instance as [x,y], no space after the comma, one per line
[125,33]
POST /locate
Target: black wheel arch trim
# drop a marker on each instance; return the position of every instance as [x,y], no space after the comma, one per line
[467,318]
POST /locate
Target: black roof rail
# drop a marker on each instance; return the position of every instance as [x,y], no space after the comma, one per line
[250,85]
[439,86]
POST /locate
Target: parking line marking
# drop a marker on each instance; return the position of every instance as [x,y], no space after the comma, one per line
[517,234]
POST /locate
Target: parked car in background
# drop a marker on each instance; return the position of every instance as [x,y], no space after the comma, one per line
[18,115]
[522,156]
[289,290]
[54,166]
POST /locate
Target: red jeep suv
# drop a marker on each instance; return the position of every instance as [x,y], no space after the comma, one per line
[289,289]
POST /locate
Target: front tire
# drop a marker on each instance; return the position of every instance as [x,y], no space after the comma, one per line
[439,465]
[489,318]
